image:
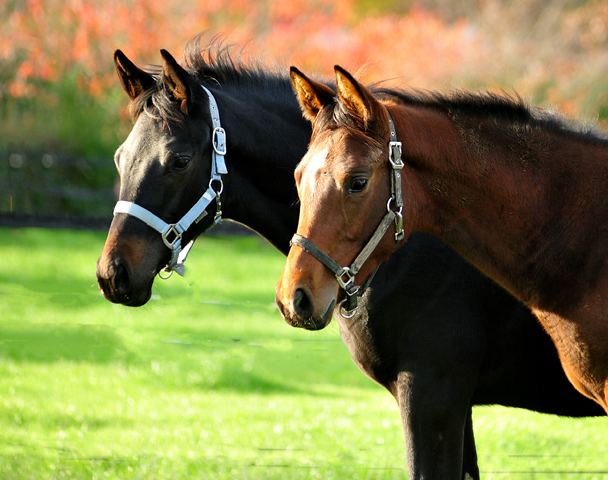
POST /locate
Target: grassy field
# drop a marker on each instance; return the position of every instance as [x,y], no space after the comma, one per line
[207,381]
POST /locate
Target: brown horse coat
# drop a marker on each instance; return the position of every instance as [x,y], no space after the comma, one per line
[517,192]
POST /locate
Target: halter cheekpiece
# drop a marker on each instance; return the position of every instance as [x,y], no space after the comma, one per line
[171,233]
[346,275]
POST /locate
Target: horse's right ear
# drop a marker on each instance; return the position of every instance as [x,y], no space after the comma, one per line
[312,95]
[134,80]
[176,80]
[355,96]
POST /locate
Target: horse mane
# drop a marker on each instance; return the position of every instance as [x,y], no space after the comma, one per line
[214,64]
[462,105]
[217,62]
[465,109]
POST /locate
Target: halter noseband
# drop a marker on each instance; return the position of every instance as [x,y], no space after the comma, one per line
[346,275]
[172,232]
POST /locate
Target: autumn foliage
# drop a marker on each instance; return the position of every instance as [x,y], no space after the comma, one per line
[543,50]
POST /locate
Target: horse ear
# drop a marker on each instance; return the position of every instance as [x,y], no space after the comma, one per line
[134,80]
[312,95]
[355,96]
[176,79]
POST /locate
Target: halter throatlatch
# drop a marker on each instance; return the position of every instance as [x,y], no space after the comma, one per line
[172,232]
[346,275]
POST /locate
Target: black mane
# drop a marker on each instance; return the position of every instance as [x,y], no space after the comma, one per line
[464,103]
[216,63]
[212,65]
[513,109]
[464,108]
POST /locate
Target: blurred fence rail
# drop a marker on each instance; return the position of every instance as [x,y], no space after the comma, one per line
[84,222]
[49,190]
[43,183]
[73,222]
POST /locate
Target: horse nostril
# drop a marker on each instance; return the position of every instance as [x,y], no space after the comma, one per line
[122,280]
[119,284]
[303,303]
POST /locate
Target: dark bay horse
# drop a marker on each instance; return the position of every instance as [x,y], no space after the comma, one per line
[437,334]
[517,192]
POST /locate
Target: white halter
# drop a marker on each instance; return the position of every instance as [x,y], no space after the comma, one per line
[172,232]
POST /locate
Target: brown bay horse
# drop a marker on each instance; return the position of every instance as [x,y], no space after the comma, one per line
[438,335]
[517,191]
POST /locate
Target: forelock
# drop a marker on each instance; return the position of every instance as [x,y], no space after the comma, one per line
[335,115]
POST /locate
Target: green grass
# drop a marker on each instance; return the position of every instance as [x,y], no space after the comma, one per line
[207,381]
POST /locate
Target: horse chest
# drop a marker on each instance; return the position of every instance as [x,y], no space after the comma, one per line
[359,341]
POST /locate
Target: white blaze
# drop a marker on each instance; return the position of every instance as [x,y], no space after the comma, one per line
[309,175]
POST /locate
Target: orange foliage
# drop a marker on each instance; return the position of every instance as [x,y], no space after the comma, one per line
[77,36]
[41,40]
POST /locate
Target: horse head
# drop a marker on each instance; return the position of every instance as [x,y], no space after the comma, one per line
[164,168]
[343,185]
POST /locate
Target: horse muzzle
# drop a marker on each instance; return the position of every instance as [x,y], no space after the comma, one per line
[115,281]
[129,263]
[298,307]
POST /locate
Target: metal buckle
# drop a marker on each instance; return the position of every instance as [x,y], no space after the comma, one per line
[171,244]
[219,140]
[394,155]
[349,284]
[175,250]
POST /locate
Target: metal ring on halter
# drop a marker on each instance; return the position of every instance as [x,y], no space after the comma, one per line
[165,278]
[388,206]
[346,313]
[217,192]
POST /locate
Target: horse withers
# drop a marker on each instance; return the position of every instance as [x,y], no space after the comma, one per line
[517,191]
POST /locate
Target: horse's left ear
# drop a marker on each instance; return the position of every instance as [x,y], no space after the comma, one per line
[312,95]
[355,96]
[133,79]
[176,79]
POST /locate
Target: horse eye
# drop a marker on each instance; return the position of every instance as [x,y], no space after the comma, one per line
[357,184]
[181,162]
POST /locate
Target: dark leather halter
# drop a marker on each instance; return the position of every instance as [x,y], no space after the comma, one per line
[346,275]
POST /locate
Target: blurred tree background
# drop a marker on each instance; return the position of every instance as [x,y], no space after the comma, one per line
[62,111]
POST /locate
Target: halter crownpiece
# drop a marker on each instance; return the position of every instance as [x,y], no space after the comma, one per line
[171,233]
[345,276]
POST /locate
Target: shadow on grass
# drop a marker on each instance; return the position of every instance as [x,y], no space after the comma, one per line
[229,365]
[52,343]
[234,379]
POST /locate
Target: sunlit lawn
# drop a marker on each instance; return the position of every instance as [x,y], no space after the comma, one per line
[207,381]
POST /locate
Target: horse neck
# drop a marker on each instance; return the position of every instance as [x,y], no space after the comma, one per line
[267,136]
[501,201]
